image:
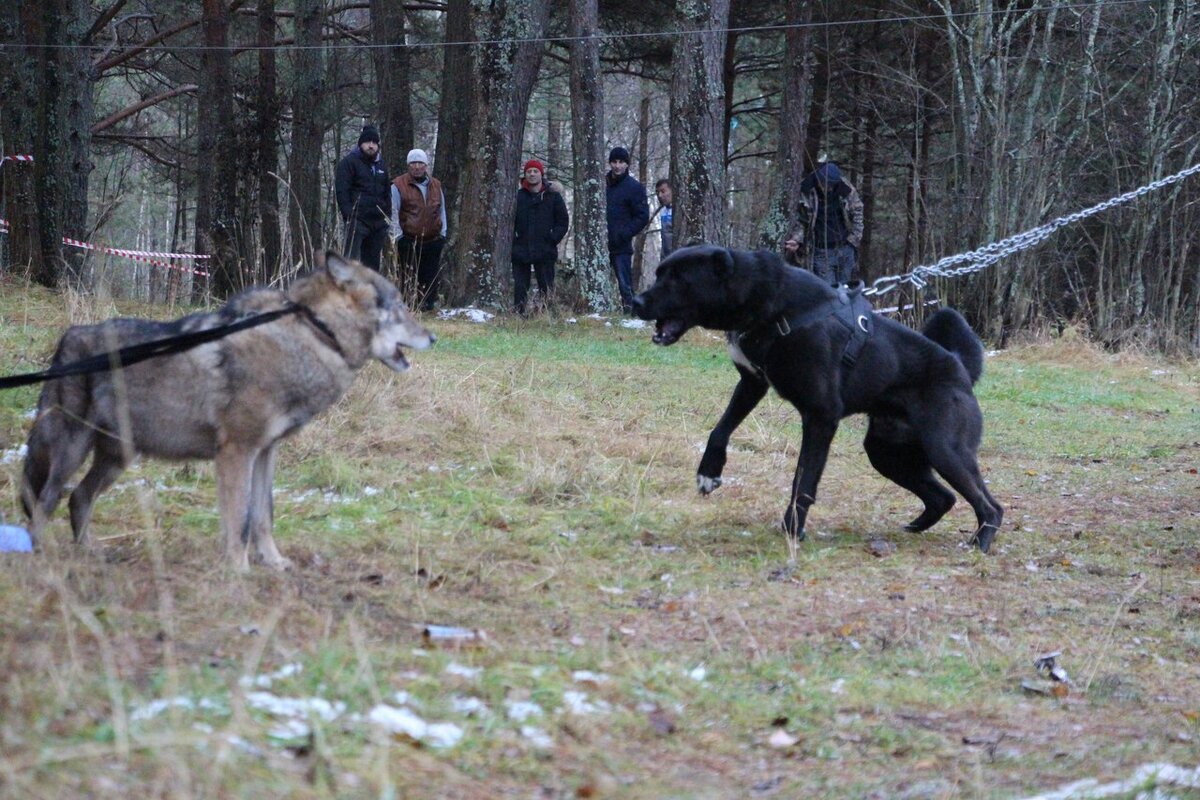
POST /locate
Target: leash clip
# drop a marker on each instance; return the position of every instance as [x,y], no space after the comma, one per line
[782,327]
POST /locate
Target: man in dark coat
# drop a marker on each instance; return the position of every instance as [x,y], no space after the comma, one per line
[540,223]
[628,212]
[364,198]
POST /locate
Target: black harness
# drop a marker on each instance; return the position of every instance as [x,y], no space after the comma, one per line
[127,356]
[850,307]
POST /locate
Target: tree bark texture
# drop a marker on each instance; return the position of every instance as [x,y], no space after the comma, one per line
[308,133]
[267,145]
[594,284]
[454,126]
[508,65]
[393,81]
[698,122]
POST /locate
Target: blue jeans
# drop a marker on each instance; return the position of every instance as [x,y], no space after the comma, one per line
[835,265]
[622,264]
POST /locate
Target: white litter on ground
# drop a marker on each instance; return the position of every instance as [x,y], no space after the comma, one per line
[1146,777]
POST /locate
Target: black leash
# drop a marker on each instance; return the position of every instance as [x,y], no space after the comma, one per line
[135,353]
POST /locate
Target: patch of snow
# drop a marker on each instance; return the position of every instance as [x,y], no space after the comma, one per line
[13,455]
[521,710]
[402,721]
[295,707]
[537,737]
[469,706]
[587,676]
[471,313]
[470,673]
[578,703]
[633,323]
[265,681]
[1158,776]
[698,673]
[156,707]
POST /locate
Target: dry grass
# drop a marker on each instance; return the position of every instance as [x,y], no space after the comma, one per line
[535,480]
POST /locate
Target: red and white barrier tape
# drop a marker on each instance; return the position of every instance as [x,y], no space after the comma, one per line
[14,158]
[145,256]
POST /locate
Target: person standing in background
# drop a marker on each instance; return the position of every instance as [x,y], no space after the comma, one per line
[539,224]
[364,202]
[419,227]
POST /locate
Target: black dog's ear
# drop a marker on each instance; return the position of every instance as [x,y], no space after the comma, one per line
[724,260]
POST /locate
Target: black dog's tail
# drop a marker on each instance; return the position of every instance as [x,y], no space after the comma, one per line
[948,328]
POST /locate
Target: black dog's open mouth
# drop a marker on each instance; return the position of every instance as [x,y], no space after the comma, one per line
[668,331]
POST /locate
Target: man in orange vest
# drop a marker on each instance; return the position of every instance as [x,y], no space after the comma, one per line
[419,223]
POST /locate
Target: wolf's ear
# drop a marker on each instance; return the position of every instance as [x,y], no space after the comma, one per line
[338,267]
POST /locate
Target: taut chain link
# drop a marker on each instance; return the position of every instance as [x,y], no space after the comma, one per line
[989,254]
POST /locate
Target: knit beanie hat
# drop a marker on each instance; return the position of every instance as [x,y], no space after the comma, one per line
[370,134]
[828,173]
[533,162]
[417,155]
[619,154]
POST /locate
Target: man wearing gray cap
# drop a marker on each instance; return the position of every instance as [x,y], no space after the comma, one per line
[419,226]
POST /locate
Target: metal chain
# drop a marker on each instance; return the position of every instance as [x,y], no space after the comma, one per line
[989,254]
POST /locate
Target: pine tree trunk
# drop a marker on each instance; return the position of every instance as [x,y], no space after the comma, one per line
[594,284]
[508,67]
[454,125]
[783,218]
[267,146]
[20,23]
[698,123]
[308,132]
[393,81]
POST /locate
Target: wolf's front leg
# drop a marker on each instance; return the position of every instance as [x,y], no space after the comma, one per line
[262,511]
[234,475]
[746,395]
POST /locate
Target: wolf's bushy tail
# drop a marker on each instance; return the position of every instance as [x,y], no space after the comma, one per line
[948,328]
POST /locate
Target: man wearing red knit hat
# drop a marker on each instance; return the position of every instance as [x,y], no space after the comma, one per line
[540,223]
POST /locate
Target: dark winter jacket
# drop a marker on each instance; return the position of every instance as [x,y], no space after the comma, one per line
[363,189]
[628,212]
[540,223]
[848,224]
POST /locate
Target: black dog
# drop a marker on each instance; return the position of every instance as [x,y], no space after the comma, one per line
[826,353]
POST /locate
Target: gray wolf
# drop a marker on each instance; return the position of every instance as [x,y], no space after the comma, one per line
[915,388]
[233,400]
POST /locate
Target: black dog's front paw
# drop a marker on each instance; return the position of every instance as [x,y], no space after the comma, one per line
[793,524]
[707,485]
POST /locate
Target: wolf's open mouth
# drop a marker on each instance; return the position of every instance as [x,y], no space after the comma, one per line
[400,360]
[668,331]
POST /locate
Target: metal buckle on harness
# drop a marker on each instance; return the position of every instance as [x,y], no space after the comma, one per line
[862,323]
[782,326]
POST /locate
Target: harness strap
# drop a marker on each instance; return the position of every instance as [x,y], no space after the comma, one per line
[850,307]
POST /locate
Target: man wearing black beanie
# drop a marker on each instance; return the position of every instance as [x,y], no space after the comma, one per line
[364,198]
[627,213]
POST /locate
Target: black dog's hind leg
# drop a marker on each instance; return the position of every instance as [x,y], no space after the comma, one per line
[814,451]
[750,390]
[902,460]
[958,466]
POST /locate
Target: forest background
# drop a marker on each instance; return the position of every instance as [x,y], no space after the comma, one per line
[216,125]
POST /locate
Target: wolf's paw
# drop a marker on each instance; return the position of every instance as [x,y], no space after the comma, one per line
[707,485]
[279,564]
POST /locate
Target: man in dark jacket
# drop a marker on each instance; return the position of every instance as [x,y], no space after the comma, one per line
[364,199]
[540,223]
[831,215]
[628,212]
